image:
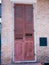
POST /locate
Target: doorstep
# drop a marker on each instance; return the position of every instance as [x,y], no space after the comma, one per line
[26,64]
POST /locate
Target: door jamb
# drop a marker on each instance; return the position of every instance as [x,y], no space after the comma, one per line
[34,33]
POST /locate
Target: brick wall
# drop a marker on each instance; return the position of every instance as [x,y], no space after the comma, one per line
[41,30]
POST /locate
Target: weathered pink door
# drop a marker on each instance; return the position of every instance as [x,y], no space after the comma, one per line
[23,33]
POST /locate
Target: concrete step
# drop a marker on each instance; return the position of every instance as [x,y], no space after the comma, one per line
[27,64]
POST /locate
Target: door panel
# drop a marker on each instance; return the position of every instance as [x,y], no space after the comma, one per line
[18,22]
[18,54]
[23,33]
[18,32]
[28,51]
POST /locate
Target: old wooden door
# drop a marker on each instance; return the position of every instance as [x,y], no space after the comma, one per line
[23,33]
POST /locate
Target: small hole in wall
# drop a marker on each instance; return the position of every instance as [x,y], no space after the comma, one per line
[43,41]
[46,63]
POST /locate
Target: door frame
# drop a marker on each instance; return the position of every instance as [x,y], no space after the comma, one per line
[34,5]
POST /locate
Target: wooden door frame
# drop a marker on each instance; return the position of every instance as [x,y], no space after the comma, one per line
[34,34]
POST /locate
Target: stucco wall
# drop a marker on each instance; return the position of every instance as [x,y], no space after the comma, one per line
[41,30]
[7,38]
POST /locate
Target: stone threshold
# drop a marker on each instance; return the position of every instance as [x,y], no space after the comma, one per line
[24,64]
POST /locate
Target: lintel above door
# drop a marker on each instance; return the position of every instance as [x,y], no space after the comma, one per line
[24,1]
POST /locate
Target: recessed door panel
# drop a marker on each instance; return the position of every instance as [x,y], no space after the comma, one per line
[18,54]
[28,51]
